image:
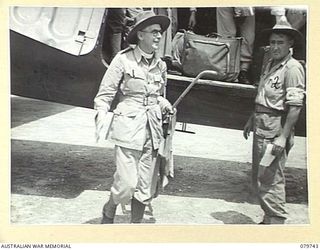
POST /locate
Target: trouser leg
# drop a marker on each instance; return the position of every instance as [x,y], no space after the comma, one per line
[271,191]
[247,31]
[148,172]
[147,179]
[114,29]
[257,150]
[146,187]
[136,175]
[226,26]
[125,181]
[126,175]
[225,21]
[115,44]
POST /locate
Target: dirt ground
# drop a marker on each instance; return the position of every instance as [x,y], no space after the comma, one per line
[65,171]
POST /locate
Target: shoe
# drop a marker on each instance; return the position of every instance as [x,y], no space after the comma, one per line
[109,209]
[137,211]
[106,220]
[243,77]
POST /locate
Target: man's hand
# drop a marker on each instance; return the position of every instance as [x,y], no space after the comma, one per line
[165,105]
[278,145]
[248,127]
[100,122]
[292,118]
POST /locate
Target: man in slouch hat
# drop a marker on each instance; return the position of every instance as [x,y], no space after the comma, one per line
[278,103]
[139,76]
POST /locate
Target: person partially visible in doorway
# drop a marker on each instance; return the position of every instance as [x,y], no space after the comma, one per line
[239,21]
[115,23]
[233,22]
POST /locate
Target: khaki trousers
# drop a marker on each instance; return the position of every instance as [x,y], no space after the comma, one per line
[136,174]
[270,184]
[226,26]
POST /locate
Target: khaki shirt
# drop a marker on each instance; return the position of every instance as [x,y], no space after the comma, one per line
[140,86]
[280,86]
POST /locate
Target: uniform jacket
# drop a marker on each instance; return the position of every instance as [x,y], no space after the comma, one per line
[140,87]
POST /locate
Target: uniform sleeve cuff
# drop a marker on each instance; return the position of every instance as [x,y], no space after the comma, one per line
[295,96]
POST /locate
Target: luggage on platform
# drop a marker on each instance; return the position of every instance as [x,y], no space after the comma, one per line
[212,52]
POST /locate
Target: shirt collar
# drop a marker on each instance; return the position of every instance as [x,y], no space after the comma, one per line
[282,63]
[138,56]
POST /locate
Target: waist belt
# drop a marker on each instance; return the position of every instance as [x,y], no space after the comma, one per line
[266,110]
[140,99]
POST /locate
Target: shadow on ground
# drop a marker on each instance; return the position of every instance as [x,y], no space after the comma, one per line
[122,219]
[232,217]
[65,171]
[36,109]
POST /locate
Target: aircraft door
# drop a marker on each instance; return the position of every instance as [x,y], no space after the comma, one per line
[73,30]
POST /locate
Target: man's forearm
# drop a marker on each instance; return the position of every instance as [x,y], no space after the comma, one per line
[291,120]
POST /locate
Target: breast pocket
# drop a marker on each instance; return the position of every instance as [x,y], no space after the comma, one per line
[155,83]
[134,80]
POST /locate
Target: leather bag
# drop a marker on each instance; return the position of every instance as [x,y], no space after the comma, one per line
[213,52]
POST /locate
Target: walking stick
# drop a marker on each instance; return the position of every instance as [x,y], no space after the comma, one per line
[165,148]
[186,91]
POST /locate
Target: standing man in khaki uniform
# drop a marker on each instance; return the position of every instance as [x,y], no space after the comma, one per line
[278,104]
[140,77]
